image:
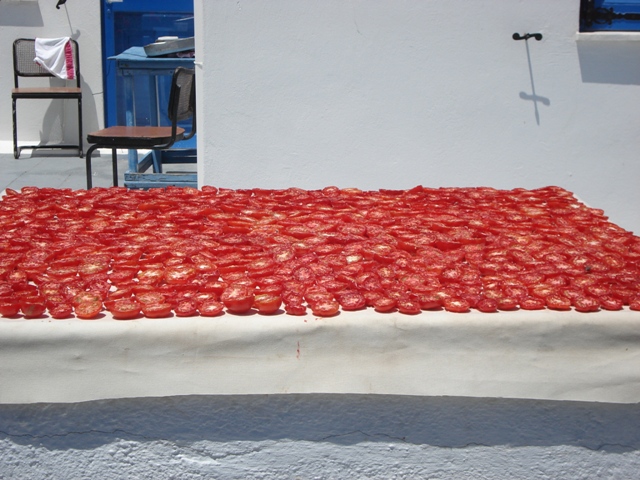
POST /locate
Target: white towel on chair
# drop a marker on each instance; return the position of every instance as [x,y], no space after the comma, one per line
[56,56]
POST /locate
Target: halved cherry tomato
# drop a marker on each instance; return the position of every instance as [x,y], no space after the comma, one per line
[429,301]
[295,308]
[88,309]
[487,305]
[179,274]
[325,308]
[384,304]
[237,298]
[186,308]
[558,302]
[456,305]
[507,303]
[9,307]
[92,268]
[150,297]
[408,306]
[61,311]
[156,310]
[351,300]
[586,304]
[124,308]
[609,302]
[32,307]
[211,308]
[532,303]
[266,303]
[151,276]
[85,297]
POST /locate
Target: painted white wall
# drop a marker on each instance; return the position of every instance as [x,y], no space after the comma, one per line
[43,120]
[393,94]
[376,93]
[320,437]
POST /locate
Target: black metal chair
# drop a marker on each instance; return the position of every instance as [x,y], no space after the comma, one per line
[181,107]
[25,66]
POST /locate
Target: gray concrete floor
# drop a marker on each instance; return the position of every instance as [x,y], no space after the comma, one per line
[56,169]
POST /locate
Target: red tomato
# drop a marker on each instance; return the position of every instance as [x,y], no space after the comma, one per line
[216,287]
[532,303]
[92,268]
[317,294]
[237,298]
[156,310]
[61,311]
[384,304]
[148,298]
[408,306]
[266,303]
[507,303]
[558,302]
[325,308]
[32,307]
[9,307]
[487,305]
[179,274]
[88,309]
[62,271]
[119,277]
[186,308]
[85,297]
[586,304]
[295,308]
[456,305]
[152,276]
[430,301]
[351,300]
[211,308]
[124,309]
[609,302]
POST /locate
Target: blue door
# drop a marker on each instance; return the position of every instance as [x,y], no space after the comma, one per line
[135,23]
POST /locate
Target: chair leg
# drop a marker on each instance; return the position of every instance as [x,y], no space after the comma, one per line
[114,166]
[16,150]
[80,139]
[88,165]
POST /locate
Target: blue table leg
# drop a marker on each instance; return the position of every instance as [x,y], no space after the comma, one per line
[130,116]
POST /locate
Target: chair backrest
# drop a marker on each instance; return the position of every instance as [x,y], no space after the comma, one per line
[24,51]
[182,99]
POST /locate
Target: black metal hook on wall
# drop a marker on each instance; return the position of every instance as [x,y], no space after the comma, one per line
[60,2]
[527,36]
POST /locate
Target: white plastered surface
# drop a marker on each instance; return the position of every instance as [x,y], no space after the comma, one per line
[537,355]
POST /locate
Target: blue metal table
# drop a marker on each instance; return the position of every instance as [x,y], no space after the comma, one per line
[134,62]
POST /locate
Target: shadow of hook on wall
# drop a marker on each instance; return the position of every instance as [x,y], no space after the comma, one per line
[60,2]
[527,36]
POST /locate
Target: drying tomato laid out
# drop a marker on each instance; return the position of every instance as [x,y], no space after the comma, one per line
[182,252]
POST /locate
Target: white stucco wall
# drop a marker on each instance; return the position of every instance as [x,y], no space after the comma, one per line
[320,437]
[382,93]
[42,120]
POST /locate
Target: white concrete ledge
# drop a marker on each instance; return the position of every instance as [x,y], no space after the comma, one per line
[608,36]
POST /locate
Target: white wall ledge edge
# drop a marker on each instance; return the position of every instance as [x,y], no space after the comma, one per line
[608,36]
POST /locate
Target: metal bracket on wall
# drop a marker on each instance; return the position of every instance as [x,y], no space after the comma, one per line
[527,36]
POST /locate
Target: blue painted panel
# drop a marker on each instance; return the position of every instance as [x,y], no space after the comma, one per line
[130,23]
